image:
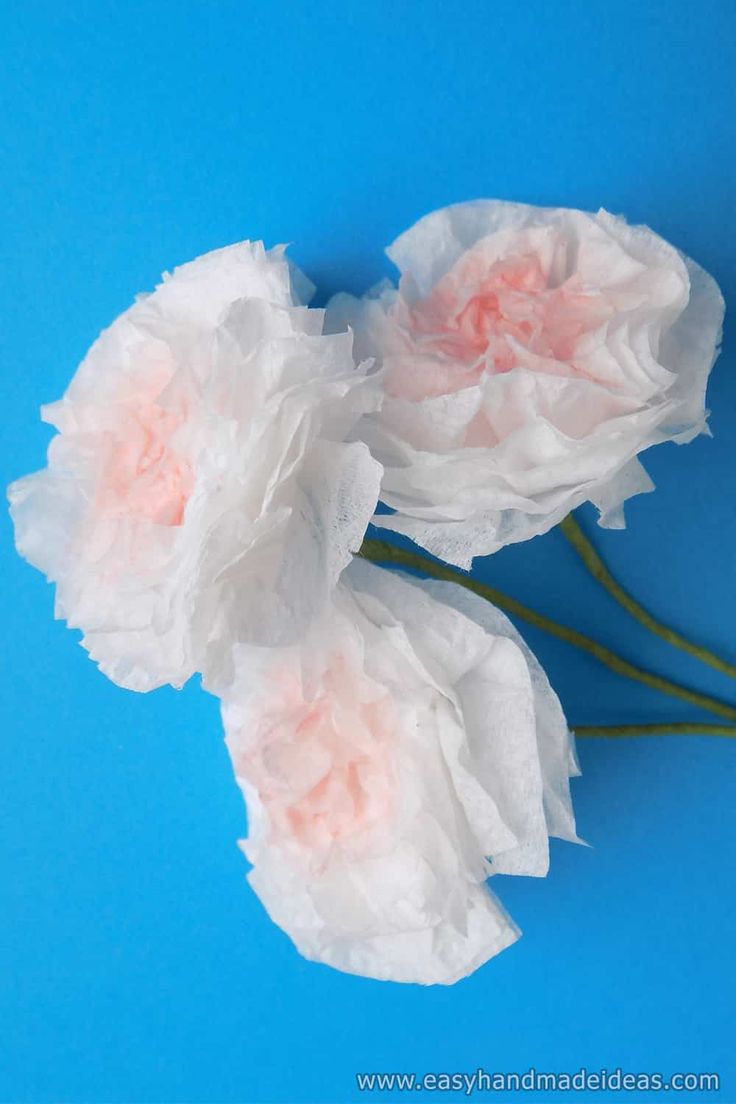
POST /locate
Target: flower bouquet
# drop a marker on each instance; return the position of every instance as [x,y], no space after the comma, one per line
[219,500]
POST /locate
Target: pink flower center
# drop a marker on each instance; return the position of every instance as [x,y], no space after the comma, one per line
[145,475]
[323,770]
[483,317]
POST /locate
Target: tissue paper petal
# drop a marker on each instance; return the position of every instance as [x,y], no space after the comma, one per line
[201,489]
[409,747]
[530,355]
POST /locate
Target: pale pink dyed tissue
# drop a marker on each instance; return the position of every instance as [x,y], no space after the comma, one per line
[530,355]
[409,747]
[202,488]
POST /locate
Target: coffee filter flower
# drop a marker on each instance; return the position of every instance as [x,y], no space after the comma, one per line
[530,355]
[201,489]
[408,748]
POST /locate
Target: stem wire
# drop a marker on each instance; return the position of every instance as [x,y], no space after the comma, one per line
[595,565]
[382,552]
[679,728]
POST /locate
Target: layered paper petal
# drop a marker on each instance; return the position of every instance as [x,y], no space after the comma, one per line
[202,488]
[407,749]
[530,355]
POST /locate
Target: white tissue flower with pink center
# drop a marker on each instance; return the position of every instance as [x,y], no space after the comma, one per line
[409,747]
[530,355]
[201,489]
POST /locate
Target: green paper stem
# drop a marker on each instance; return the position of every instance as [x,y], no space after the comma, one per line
[595,565]
[382,552]
[680,728]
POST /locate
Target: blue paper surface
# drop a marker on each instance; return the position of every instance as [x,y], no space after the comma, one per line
[136,964]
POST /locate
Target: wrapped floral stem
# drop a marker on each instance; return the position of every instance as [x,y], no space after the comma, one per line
[383,552]
[677,728]
[597,568]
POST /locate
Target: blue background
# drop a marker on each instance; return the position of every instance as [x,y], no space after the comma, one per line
[135,963]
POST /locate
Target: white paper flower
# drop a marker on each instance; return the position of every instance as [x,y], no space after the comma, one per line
[200,490]
[530,355]
[408,748]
